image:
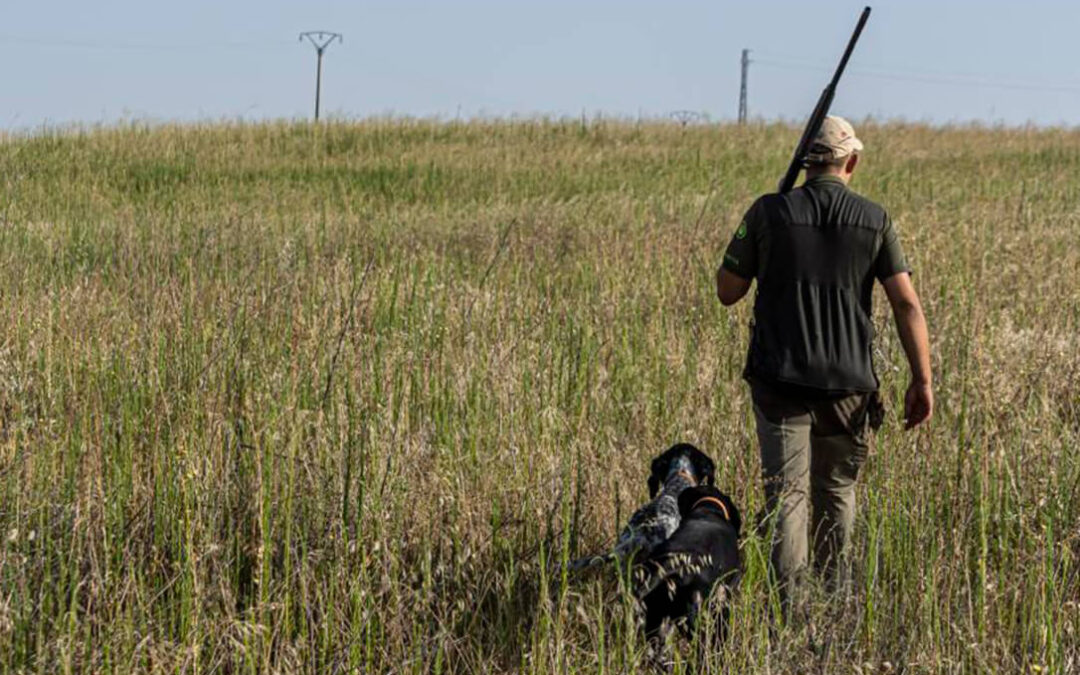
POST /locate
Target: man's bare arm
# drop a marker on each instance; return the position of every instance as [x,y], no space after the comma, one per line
[730,287]
[915,337]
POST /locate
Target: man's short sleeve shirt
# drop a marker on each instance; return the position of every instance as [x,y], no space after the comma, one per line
[890,259]
[815,253]
[742,254]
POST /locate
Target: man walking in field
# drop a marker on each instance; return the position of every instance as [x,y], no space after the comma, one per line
[815,252]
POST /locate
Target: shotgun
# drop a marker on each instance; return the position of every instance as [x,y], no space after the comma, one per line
[813,125]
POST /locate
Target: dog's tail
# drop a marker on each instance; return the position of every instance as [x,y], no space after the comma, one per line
[626,551]
[588,562]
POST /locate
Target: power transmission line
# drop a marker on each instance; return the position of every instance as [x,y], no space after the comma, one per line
[875,66]
[136,46]
[320,40]
[944,79]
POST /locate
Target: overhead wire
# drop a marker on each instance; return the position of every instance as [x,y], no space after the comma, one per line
[771,60]
[137,46]
[924,77]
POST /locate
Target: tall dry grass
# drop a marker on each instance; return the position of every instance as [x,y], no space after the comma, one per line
[285,398]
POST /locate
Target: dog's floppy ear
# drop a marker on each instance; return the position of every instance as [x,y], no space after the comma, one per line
[659,470]
[654,486]
[704,467]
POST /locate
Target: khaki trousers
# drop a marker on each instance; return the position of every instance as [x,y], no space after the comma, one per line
[811,451]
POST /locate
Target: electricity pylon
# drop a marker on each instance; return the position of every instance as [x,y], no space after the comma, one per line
[320,39]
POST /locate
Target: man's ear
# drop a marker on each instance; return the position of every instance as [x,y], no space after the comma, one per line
[852,162]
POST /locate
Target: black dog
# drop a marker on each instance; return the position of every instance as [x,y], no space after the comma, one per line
[680,467]
[677,579]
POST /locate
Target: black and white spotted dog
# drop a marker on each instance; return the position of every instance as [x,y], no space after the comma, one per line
[680,467]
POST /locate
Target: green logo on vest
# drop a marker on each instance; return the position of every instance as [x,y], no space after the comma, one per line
[741,232]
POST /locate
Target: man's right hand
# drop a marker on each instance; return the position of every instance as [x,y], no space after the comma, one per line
[918,404]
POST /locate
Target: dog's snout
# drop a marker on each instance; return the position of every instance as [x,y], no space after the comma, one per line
[682,465]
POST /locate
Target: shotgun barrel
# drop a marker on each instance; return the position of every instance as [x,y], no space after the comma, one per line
[813,125]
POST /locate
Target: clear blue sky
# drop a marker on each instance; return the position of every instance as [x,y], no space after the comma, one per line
[90,62]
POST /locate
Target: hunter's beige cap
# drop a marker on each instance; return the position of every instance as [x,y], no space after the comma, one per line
[835,140]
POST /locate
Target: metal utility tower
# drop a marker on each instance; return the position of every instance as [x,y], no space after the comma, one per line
[684,117]
[742,86]
[320,39]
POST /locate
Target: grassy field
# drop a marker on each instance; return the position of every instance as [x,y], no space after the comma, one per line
[285,398]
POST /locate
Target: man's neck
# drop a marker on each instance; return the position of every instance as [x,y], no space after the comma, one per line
[826,173]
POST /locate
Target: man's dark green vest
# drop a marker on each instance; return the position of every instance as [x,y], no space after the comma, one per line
[818,250]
